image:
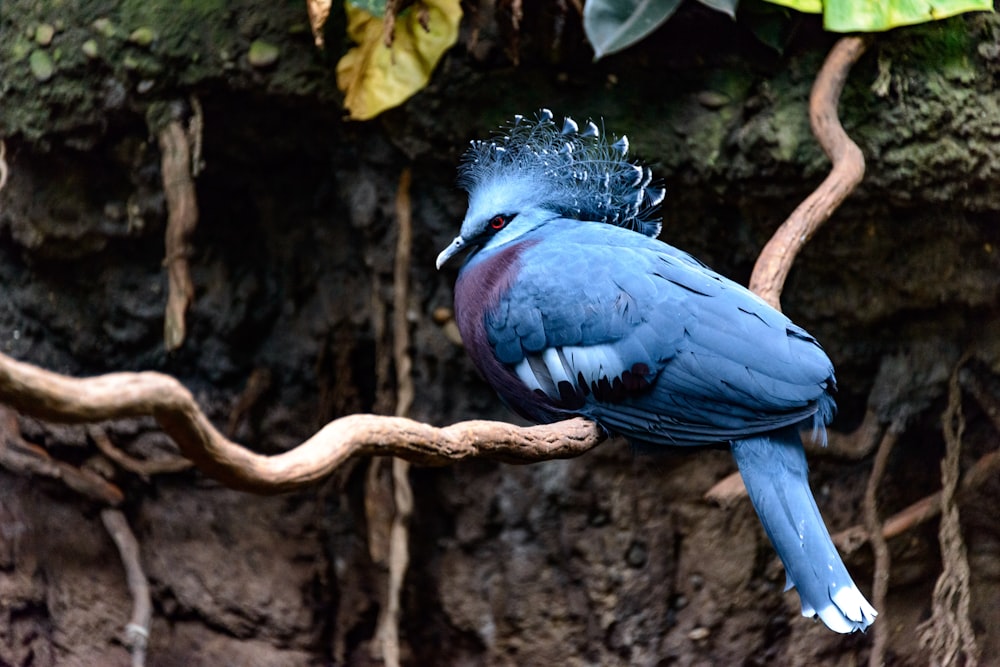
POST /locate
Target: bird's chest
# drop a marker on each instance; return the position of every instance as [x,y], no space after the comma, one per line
[478,291]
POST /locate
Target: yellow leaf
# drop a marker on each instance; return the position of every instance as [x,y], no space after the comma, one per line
[374,77]
[876,15]
[808,6]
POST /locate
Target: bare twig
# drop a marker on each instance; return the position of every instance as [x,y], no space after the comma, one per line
[46,395]
[987,402]
[852,446]
[880,578]
[144,469]
[379,503]
[776,258]
[137,629]
[182,218]
[515,10]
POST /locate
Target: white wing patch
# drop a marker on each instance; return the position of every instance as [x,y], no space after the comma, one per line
[556,364]
[546,370]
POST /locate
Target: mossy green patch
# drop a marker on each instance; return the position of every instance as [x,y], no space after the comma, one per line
[103,52]
[42,67]
[90,49]
[262,54]
[180,27]
[143,36]
[44,34]
[942,46]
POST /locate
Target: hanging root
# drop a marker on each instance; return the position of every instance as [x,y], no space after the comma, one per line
[880,578]
[948,634]
[27,459]
[929,507]
[137,629]
[4,169]
[144,469]
[387,634]
[182,218]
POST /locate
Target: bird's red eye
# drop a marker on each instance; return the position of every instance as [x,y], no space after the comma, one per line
[498,222]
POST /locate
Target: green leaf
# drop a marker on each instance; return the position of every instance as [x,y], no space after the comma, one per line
[727,7]
[613,25]
[878,15]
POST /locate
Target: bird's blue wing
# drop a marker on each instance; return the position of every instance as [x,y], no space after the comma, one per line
[650,342]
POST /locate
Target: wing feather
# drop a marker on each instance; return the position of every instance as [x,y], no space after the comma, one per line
[653,344]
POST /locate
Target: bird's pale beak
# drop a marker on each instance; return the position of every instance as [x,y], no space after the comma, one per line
[446,254]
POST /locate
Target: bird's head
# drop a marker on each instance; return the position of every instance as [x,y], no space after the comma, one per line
[536,170]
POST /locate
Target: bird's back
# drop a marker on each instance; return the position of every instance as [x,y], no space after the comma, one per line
[591,319]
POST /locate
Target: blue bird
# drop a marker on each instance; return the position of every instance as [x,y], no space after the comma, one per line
[569,305]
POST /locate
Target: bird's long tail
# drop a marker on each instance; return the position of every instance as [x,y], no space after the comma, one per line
[775,472]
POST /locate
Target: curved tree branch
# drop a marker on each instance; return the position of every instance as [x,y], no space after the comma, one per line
[775,260]
[47,395]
